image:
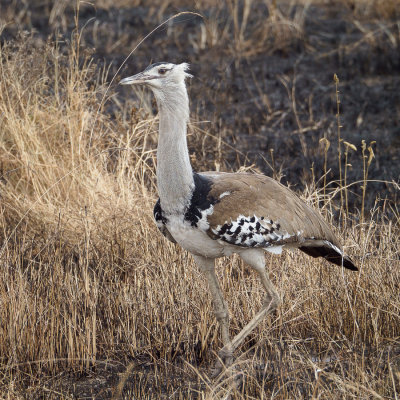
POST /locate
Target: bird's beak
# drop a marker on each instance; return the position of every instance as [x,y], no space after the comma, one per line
[137,79]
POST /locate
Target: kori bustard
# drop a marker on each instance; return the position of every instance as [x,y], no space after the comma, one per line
[216,214]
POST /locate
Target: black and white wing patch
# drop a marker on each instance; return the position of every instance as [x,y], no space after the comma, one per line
[161,221]
[252,232]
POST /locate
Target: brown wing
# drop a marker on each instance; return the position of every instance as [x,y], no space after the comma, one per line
[248,195]
[254,210]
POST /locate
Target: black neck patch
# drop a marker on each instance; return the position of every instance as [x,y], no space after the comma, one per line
[201,200]
[159,214]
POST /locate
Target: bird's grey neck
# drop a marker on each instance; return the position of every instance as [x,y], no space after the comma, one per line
[174,172]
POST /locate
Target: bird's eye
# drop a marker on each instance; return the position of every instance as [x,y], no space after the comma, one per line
[162,71]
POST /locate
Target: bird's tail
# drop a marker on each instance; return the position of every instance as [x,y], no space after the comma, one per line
[330,252]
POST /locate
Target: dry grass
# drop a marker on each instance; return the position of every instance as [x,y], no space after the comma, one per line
[380,9]
[277,29]
[88,285]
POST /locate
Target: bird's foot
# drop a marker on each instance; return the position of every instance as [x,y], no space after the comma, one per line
[227,377]
[224,361]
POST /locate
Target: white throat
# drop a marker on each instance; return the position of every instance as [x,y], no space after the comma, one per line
[174,172]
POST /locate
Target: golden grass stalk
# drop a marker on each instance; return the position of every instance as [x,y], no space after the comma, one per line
[346,166]
[367,160]
[338,129]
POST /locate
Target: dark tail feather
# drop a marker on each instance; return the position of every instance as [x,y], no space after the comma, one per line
[330,254]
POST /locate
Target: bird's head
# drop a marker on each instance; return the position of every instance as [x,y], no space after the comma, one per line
[160,76]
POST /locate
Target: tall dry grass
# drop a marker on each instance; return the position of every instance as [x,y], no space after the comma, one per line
[86,280]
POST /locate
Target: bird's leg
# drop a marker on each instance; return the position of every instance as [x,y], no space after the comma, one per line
[220,309]
[271,302]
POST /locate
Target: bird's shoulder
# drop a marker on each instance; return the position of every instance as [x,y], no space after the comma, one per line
[235,194]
